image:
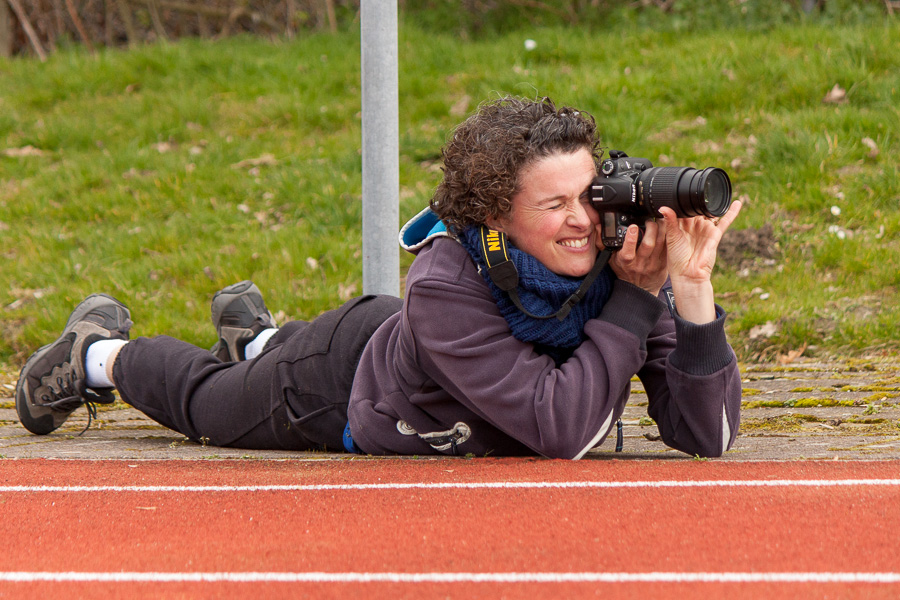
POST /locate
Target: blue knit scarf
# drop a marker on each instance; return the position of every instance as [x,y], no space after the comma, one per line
[543,292]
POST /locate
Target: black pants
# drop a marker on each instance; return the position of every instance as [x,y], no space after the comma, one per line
[293,396]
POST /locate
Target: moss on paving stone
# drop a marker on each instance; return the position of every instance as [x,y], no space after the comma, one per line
[856,416]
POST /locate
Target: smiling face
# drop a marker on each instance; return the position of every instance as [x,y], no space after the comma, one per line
[552,218]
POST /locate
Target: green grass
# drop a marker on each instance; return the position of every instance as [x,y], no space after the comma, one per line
[167,172]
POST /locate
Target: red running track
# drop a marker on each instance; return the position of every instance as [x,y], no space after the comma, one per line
[449,528]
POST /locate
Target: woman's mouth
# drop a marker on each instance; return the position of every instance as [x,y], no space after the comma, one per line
[579,243]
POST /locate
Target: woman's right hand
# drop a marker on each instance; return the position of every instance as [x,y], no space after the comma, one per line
[642,265]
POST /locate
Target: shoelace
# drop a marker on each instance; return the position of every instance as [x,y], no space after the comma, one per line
[92,414]
[61,385]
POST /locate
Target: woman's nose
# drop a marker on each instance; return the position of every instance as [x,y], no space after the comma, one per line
[579,215]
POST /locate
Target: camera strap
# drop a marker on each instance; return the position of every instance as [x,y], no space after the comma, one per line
[503,272]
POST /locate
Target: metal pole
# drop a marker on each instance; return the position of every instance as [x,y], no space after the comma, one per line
[380,147]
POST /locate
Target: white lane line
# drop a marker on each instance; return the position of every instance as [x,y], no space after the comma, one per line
[457,485]
[325,577]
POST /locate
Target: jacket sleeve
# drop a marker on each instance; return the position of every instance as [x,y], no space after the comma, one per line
[460,339]
[693,384]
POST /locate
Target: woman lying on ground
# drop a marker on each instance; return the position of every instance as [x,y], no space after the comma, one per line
[456,367]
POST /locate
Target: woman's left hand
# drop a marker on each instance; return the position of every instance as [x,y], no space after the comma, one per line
[691,246]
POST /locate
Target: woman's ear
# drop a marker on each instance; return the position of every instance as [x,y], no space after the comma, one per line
[494,223]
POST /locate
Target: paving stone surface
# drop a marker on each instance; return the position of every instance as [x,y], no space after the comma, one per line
[847,410]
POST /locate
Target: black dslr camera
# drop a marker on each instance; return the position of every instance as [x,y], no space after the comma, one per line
[631,190]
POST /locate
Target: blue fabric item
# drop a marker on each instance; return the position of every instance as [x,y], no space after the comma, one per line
[438,228]
[543,292]
[349,446]
[420,229]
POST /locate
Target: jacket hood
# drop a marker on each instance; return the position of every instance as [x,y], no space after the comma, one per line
[421,230]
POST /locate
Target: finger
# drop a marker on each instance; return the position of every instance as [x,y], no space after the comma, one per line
[649,239]
[672,230]
[662,230]
[729,217]
[660,247]
[669,215]
[629,246]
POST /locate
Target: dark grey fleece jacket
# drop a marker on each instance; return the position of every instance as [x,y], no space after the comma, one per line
[446,376]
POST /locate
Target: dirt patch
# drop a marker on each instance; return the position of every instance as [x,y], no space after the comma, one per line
[745,248]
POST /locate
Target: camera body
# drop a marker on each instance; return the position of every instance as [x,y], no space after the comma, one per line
[628,191]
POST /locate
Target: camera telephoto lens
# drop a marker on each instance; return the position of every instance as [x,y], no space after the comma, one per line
[716,190]
[689,192]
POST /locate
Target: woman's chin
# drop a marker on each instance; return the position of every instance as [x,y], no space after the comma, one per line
[574,269]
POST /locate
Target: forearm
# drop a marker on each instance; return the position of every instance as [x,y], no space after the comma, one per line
[694,300]
[693,386]
[701,414]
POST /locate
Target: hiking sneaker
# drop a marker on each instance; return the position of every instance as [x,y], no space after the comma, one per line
[53,382]
[239,315]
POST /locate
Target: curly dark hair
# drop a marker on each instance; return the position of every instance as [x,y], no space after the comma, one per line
[488,151]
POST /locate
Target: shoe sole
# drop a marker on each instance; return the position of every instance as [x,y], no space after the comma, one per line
[46,423]
[224,297]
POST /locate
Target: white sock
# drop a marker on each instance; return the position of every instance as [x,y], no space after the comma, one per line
[96,362]
[255,348]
